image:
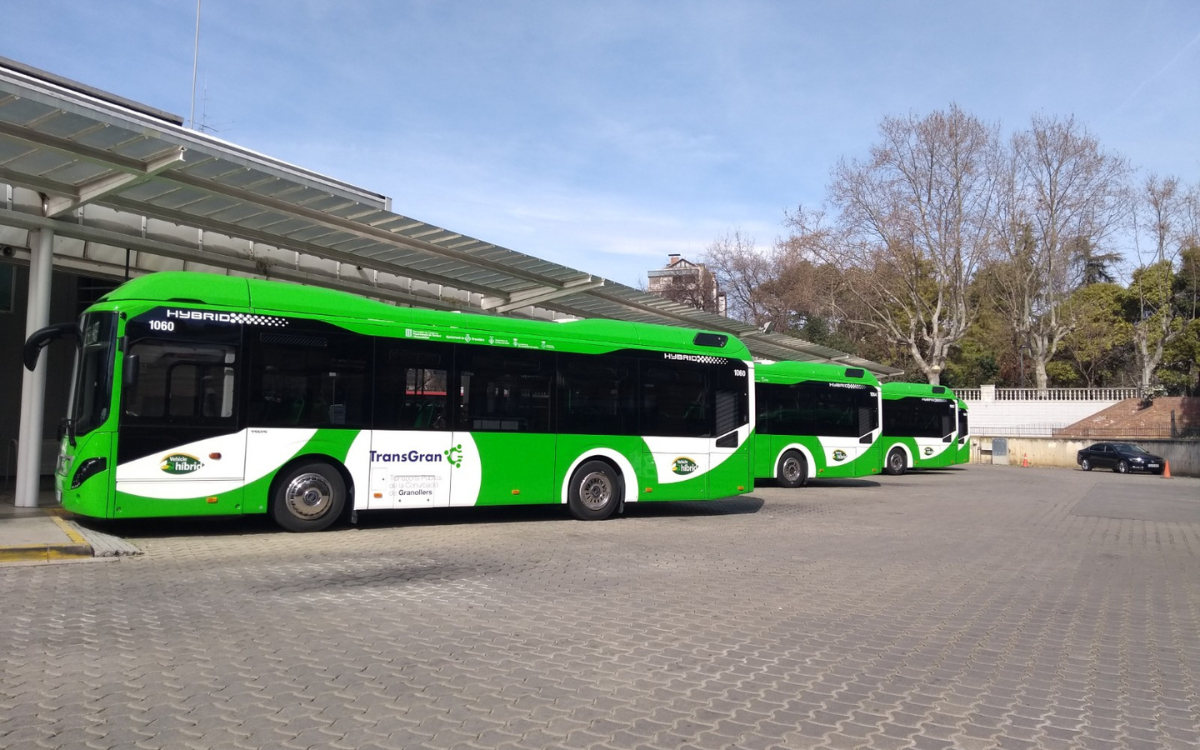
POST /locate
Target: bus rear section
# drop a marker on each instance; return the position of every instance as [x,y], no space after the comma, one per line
[815,421]
[920,427]
[963,438]
[189,409]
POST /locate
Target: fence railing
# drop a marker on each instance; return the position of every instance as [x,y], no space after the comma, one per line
[1050,394]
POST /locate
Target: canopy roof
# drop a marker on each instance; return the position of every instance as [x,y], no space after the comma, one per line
[128,190]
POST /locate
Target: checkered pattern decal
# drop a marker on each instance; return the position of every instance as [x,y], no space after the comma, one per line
[259,320]
[703,359]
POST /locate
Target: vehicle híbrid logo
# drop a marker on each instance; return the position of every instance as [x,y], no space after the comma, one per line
[928,450]
[839,455]
[454,456]
[180,463]
[684,466]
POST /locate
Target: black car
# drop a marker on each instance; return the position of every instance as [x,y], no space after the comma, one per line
[1120,457]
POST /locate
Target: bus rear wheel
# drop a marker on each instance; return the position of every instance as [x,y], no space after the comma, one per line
[309,497]
[792,470]
[594,492]
[896,463]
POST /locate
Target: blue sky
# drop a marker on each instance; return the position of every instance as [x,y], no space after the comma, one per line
[605,135]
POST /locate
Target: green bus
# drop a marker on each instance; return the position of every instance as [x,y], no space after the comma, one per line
[198,394]
[920,427]
[815,421]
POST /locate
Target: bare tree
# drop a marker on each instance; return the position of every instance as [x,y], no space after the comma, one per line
[1060,198]
[1167,216]
[741,270]
[912,229]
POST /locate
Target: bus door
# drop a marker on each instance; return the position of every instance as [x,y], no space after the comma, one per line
[504,449]
[412,457]
[180,450]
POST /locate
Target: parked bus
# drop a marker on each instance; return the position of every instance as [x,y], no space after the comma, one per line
[815,420]
[198,394]
[920,427]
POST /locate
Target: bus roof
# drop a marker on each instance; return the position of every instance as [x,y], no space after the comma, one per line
[787,373]
[903,390]
[258,295]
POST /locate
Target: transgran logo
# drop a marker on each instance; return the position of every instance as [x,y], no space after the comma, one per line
[683,466]
[180,463]
[839,455]
[928,451]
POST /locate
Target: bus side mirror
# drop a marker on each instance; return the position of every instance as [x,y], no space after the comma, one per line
[129,370]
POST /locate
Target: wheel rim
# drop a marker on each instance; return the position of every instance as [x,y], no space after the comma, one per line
[1086,465]
[896,461]
[309,496]
[1122,467]
[596,490]
[791,468]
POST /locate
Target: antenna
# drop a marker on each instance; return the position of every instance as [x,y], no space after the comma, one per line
[195,64]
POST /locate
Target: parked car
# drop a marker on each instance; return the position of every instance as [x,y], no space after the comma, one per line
[1120,457]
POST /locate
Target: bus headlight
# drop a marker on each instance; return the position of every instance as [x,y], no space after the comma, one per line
[87,469]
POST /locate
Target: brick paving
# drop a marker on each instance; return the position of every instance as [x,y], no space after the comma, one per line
[981,608]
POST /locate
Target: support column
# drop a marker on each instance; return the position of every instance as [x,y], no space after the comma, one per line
[33,384]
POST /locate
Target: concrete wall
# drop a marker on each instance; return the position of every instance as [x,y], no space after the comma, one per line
[63,303]
[1183,455]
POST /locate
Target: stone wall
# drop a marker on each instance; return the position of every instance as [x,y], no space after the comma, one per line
[1183,455]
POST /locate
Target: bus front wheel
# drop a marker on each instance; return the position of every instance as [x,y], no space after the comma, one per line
[896,464]
[595,491]
[309,497]
[792,471]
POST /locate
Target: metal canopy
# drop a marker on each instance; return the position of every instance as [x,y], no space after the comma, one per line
[115,179]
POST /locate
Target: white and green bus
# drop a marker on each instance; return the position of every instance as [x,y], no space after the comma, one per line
[921,427]
[815,421]
[198,394]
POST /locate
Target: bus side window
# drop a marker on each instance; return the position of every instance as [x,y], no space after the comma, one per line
[506,391]
[181,381]
[300,379]
[597,394]
[411,386]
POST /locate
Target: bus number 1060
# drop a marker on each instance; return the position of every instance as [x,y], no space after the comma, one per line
[162,325]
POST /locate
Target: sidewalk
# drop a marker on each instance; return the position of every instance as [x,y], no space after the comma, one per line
[46,534]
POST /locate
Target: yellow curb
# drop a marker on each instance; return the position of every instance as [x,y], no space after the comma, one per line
[78,547]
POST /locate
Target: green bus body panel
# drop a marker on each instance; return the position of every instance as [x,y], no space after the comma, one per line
[943,454]
[768,447]
[252,498]
[370,317]
[91,498]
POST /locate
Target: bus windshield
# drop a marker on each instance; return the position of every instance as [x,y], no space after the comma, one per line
[92,392]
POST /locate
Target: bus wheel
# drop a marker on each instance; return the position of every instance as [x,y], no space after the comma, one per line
[792,471]
[896,464]
[310,497]
[594,492]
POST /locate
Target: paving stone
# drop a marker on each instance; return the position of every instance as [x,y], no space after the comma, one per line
[968,609]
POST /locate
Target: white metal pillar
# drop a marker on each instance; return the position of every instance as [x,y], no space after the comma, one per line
[33,384]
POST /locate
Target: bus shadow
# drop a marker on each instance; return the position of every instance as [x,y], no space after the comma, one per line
[820,483]
[419,517]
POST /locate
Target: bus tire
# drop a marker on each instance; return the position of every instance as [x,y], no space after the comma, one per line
[309,497]
[594,492]
[792,470]
[896,464]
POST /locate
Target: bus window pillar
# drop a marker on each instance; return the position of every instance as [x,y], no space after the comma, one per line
[33,384]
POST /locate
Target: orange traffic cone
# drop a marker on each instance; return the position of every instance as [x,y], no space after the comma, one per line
[1025,461]
[1166,470]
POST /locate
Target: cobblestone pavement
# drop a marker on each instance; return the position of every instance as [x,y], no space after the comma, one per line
[981,608]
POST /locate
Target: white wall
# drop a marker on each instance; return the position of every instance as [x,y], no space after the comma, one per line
[1028,417]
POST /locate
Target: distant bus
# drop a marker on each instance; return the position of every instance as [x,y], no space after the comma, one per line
[920,427]
[815,420]
[198,394]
